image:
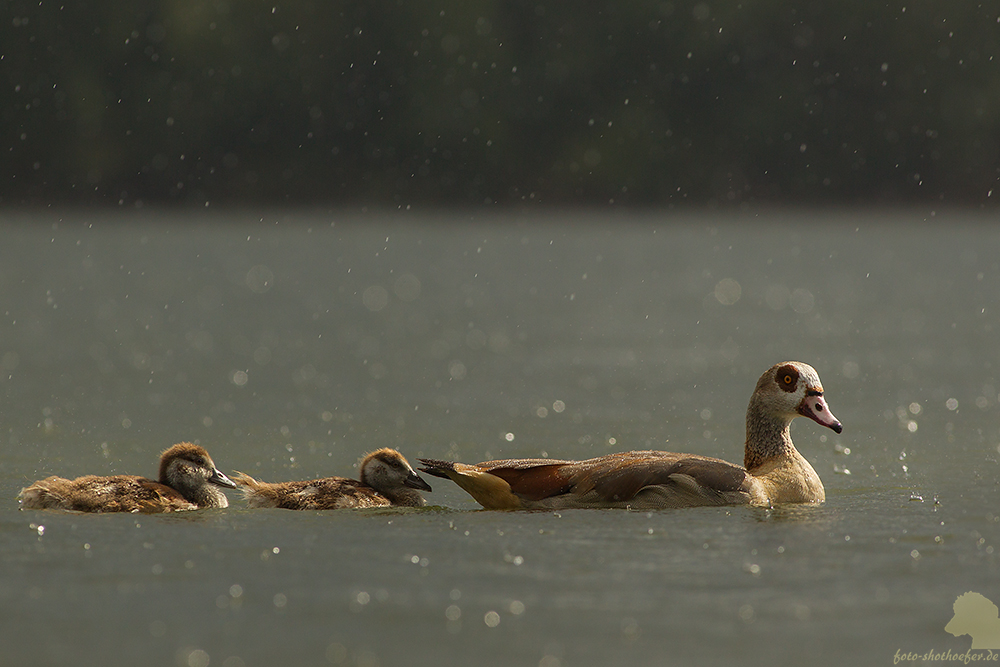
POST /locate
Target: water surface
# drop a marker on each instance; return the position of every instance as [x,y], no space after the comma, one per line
[290,344]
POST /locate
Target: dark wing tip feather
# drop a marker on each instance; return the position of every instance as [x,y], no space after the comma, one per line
[436,467]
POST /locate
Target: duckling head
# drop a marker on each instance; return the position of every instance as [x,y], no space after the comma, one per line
[389,473]
[190,470]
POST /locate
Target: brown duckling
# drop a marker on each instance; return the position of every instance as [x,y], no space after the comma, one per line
[386,479]
[188,481]
[774,470]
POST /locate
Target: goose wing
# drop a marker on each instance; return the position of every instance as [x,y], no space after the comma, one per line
[639,479]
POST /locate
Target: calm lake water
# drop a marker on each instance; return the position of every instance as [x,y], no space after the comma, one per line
[291,344]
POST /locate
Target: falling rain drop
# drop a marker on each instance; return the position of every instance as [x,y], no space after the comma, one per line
[728,291]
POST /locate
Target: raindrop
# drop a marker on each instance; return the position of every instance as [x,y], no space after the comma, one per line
[728,291]
[457,370]
[260,279]
[198,658]
[375,298]
[630,628]
[492,619]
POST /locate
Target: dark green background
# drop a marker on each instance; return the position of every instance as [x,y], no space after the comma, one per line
[464,103]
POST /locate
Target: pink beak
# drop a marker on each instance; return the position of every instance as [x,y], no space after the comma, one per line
[814,406]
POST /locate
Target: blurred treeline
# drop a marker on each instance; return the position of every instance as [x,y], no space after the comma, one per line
[463,102]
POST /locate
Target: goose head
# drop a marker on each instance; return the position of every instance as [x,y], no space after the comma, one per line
[788,390]
[189,469]
[389,473]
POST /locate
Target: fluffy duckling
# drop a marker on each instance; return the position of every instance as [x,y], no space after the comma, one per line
[386,479]
[773,471]
[188,481]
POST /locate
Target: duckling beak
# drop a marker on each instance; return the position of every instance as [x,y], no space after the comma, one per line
[815,408]
[414,481]
[219,479]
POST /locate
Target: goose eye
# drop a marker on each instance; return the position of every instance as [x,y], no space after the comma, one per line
[787,380]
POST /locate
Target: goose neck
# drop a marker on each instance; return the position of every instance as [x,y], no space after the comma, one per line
[768,436]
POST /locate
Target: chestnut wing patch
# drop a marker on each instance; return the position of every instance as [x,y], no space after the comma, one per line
[536,482]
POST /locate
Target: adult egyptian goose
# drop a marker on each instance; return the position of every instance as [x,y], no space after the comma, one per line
[386,479]
[774,470]
[188,480]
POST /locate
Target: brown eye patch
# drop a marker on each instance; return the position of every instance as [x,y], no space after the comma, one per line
[787,378]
